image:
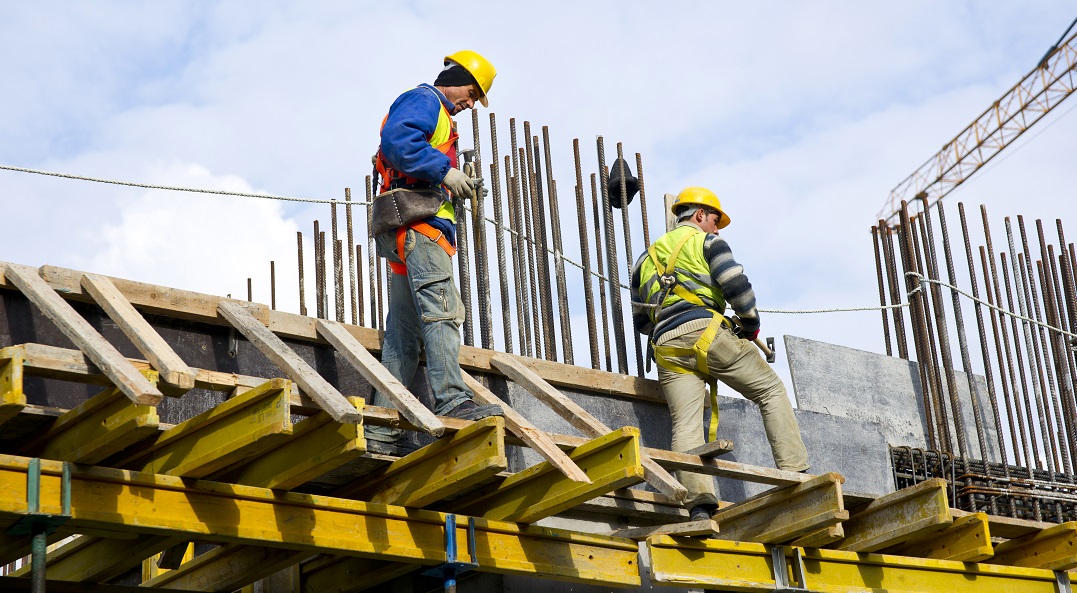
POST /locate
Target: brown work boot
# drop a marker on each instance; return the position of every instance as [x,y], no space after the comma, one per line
[701,512]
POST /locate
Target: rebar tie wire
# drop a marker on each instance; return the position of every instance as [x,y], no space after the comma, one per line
[920,277]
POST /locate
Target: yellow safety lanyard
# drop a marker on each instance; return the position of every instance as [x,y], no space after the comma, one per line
[699,349]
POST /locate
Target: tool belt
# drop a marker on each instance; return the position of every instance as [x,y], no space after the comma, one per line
[424,229]
[402,206]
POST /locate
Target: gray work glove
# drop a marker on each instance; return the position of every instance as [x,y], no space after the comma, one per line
[460,184]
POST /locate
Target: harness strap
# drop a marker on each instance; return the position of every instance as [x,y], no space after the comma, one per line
[424,229]
[662,354]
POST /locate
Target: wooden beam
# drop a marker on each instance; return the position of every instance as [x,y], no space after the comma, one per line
[967,539]
[228,513]
[226,568]
[96,429]
[439,470]
[317,445]
[575,415]
[12,398]
[84,336]
[712,449]
[1054,548]
[96,559]
[24,585]
[707,527]
[785,514]
[242,427]
[1008,527]
[284,357]
[520,426]
[347,574]
[897,517]
[638,504]
[380,377]
[611,461]
[821,538]
[173,370]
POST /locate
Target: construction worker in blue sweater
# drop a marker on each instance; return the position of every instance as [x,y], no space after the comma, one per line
[680,288]
[417,164]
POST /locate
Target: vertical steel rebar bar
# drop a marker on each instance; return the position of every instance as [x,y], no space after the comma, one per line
[250,296]
[482,268]
[532,269]
[463,260]
[527,253]
[351,253]
[542,242]
[895,292]
[585,253]
[338,268]
[499,235]
[627,234]
[519,260]
[930,345]
[601,279]
[882,289]
[643,201]
[273,285]
[1026,399]
[559,259]
[1048,279]
[1053,381]
[373,264]
[611,261]
[360,312]
[1020,449]
[319,276]
[325,272]
[302,282]
[923,369]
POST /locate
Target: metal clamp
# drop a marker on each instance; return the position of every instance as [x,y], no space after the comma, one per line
[35,522]
[780,569]
[1062,581]
[453,567]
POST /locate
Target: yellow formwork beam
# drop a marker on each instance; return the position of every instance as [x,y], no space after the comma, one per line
[781,515]
[318,444]
[241,427]
[1054,548]
[967,539]
[439,470]
[12,398]
[611,461]
[226,568]
[103,498]
[743,566]
[95,559]
[98,428]
[897,517]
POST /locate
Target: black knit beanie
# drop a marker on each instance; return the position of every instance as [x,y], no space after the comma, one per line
[454,75]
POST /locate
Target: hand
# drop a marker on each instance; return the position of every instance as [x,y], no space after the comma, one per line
[753,336]
[459,183]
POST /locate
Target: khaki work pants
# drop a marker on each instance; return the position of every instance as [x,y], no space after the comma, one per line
[738,364]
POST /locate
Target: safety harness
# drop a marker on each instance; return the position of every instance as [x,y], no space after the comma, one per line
[667,276]
[424,229]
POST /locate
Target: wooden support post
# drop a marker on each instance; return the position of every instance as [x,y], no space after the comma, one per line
[379,377]
[242,427]
[897,517]
[79,331]
[967,539]
[438,471]
[1054,548]
[528,432]
[173,370]
[12,398]
[317,445]
[96,429]
[575,415]
[611,461]
[782,515]
[284,357]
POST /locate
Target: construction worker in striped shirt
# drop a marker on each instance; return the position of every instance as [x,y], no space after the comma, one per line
[418,151]
[680,289]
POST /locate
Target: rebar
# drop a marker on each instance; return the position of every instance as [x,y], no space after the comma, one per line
[273,285]
[532,258]
[914,288]
[559,260]
[627,230]
[585,253]
[1026,399]
[338,269]
[1020,449]
[519,258]
[895,290]
[463,261]
[542,259]
[499,236]
[351,254]
[613,273]
[360,312]
[643,201]
[372,265]
[930,348]
[527,253]
[482,268]
[601,279]
[1054,382]
[319,276]
[1065,418]
[250,296]
[302,283]
[325,271]
[882,290]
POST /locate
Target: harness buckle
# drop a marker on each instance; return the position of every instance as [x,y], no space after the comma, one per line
[668,280]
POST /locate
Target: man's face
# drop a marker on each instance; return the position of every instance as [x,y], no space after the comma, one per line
[710,219]
[462,97]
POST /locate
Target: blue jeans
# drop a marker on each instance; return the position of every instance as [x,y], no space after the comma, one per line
[424,309]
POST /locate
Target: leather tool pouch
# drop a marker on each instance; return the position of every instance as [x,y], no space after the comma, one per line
[402,206]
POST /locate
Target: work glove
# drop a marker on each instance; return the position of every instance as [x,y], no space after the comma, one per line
[460,184]
[471,171]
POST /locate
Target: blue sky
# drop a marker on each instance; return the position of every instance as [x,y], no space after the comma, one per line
[801,116]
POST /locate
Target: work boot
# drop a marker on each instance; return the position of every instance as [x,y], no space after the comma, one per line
[469,410]
[701,512]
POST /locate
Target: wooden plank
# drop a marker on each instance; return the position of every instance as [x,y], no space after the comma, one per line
[226,568]
[146,339]
[24,585]
[575,415]
[237,429]
[897,517]
[96,429]
[439,470]
[96,559]
[821,538]
[784,514]
[712,449]
[705,527]
[967,539]
[84,336]
[1008,527]
[520,426]
[1054,548]
[611,461]
[317,445]
[284,357]
[380,377]
[338,574]
[12,397]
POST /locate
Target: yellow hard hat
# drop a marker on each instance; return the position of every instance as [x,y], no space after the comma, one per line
[701,196]
[479,67]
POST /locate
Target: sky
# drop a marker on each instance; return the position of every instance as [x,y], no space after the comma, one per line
[800,116]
